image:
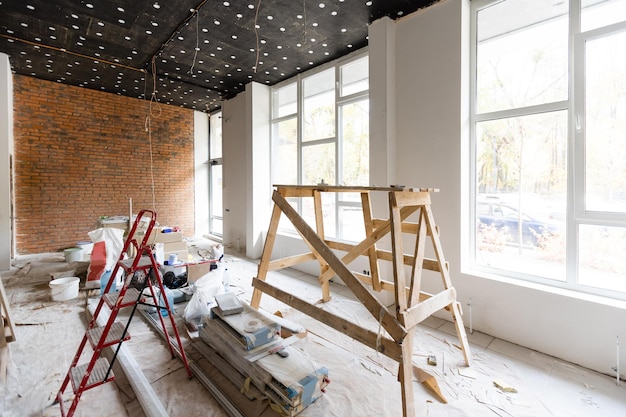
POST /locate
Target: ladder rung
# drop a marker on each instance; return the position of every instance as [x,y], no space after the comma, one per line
[113,338]
[95,378]
[130,297]
[144,263]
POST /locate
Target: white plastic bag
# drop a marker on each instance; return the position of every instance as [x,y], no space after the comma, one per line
[203,298]
[108,244]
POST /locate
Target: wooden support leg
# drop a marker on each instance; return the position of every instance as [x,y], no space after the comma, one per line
[405,376]
[267,255]
[460,331]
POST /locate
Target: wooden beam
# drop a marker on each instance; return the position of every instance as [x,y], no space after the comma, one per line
[290,261]
[373,305]
[424,309]
[384,345]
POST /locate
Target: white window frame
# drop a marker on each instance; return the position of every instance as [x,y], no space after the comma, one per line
[575,107]
[339,102]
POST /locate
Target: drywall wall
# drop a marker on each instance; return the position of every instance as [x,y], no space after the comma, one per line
[258,163]
[235,170]
[6,149]
[432,133]
[201,172]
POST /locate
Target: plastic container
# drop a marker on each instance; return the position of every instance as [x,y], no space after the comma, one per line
[226,280]
[104,280]
[86,246]
[62,289]
[73,255]
[170,300]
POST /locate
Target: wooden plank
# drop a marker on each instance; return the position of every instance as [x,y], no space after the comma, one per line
[270,239]
[370,240]
[5,311]
[422,310]
[418,262]
[384,345]
[371,251]
[373,305]
[408,198]
[290,261]
[287,190]
[429,264]
[319,226]
[397,249]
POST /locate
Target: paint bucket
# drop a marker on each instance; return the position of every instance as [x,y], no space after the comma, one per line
[86,246]
[62,289]
[73,255]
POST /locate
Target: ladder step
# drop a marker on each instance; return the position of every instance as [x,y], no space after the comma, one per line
[113,338]
[144,263]
[96,377]
[130,298]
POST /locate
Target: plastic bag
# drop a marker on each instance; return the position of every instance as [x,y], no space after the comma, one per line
[108,243]
[199,306]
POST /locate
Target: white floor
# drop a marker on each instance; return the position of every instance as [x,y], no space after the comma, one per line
[363,381]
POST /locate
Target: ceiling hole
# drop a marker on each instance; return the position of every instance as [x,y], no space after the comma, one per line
[75,27]
[122,21]
[322,5]
[75,16]
[156,5]
[89,5]
[100,24]
[24,24]
[120,9]
[28,6]
[127,38]
[155,24]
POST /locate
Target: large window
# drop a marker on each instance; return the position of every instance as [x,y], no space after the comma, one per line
[216,215]
[320,134]
[549,142]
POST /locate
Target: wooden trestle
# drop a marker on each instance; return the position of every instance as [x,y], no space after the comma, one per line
[412,306]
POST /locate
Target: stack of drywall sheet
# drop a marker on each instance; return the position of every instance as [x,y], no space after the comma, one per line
[249,341]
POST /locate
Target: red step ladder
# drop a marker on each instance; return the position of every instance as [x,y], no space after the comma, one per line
[97,370]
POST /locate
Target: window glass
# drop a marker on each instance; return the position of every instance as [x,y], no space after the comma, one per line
[605,123]
[521,57]
[285,100]
[601,252]
[521,167]
[355,144]
[285,151]
[318,118]
[354,76]
[598,13]
[318,164]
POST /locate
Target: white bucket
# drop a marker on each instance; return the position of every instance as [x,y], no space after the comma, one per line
[62,289]
[86,246]
[73,255]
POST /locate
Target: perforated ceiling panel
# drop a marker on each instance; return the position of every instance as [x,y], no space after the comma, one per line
[188,53]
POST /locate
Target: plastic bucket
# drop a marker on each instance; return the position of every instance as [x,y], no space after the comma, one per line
[86,246]
[62,289]
[73,254]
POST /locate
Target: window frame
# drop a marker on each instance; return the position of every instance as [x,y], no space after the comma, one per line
[574,105]
[335,140]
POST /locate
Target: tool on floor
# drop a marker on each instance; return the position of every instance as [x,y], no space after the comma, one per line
[98,370]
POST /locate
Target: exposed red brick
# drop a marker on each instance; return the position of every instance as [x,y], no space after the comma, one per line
[81,154]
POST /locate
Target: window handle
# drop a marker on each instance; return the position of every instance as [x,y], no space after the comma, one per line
[578,127]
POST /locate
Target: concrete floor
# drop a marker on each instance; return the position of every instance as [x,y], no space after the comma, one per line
[363,381]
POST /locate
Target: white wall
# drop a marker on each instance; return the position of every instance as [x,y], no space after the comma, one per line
[246,151]
[432,139]
[6,149]
[201,172]
[235,169]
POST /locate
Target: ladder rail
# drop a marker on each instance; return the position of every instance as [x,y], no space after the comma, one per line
[80,377]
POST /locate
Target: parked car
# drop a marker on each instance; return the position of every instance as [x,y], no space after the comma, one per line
[507,218]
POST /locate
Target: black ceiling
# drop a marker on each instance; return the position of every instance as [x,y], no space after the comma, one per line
[201,51]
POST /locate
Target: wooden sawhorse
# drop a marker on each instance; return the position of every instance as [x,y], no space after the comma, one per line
[412,306]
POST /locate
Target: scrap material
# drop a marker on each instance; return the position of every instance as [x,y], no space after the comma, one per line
[248,341]
[428,380]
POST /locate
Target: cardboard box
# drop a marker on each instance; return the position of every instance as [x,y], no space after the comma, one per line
[174,246]
[157,236]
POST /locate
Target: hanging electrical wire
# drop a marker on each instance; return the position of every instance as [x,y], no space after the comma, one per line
[256,32]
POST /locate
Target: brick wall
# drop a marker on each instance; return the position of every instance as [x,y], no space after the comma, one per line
[81,154]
